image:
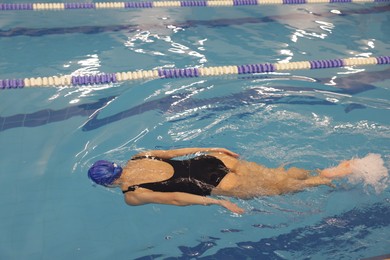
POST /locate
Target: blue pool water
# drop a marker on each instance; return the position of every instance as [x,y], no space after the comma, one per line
[50,136]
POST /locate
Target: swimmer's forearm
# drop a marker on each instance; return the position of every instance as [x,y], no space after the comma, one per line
[170,198]
[185,199]
[167,154]
[206,201]
[178,199]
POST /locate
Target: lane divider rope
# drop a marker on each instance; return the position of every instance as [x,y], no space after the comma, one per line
[107,78]
[166,4]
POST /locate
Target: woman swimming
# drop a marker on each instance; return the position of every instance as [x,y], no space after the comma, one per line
[156,177]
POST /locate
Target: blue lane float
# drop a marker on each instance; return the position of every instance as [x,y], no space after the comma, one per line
[110,78]
[166,4]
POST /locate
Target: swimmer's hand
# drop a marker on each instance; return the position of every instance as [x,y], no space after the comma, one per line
[225,151]
[231,206]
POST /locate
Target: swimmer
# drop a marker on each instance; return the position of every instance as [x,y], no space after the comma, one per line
[157,177]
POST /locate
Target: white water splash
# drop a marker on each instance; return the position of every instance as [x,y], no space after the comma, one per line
[371,171]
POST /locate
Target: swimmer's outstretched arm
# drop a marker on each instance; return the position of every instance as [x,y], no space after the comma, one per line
[168,154]
[137,198]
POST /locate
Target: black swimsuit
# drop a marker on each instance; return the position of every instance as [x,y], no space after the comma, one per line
[198,175]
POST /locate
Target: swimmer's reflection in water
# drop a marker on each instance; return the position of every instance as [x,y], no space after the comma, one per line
[157,177]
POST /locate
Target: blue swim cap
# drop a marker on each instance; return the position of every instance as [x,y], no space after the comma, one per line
[104,172]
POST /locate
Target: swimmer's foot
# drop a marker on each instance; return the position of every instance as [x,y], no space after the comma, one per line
[340,171]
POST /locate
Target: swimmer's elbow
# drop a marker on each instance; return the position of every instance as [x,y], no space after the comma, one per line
[133,201]
[130,203]
[178,200]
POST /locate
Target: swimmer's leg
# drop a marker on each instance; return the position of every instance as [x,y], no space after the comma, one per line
[295,185]
[297,173]
[369,167]
[314,181]
[340,171]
